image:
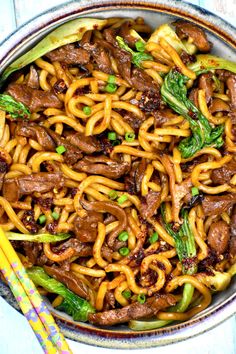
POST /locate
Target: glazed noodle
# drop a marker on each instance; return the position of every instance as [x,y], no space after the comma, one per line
[118,173]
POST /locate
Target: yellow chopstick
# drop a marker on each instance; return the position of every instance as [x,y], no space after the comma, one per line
[25,305]
[35,298]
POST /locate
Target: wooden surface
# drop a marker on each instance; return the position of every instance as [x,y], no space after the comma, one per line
[16,336]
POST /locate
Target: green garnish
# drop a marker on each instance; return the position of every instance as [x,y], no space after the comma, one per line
[124,251]
[129,137]
[137,57]
[141,298]
[42,218]
[111,88]
[195,191]
[55,215]
[60,149]
[140,46]
[87,110]
[112,195]
[123,236]
[122,199]
[13,108]
[111,79]
[152,239]
[111,135]
[126,293]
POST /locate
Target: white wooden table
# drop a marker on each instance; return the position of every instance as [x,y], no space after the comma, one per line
[16,337]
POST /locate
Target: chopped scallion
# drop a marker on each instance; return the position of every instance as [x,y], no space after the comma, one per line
[60,149]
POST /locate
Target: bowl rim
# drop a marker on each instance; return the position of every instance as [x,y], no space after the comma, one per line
[49,19]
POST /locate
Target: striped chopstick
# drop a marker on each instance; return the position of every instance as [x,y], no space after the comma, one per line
[30,301]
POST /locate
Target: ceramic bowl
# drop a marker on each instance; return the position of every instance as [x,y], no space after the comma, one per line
[155,12]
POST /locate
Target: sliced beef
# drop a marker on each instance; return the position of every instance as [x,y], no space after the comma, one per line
[133,311]
[86,228]
[231,84]
[150,204]
[81,249]
[124,32]
[34,99]
[42,182]
[32,250]
[3,169]
[100,56]
[72,282]
[218,236]
[222,74]
[224,174]
[72,153]
[107,252]
[136,77]
[134,179]
[123,59]
[185,29]
[33,78]
[187,58]
[110,36]
[218,105]
[87,144]
[102,165]
[193,96]
[36,132]
[217,204]
[110,300]
[142,81]
[206,83]
[69,54]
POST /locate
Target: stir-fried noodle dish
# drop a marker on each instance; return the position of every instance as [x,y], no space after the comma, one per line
[118,170]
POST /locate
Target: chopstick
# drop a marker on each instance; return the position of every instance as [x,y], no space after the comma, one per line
[31,303]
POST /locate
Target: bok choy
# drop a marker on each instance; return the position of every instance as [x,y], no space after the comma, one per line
[69,32]
[186,251]
[72,304]
[14,236]
[206,62]
[174,93]
[13,108]
[137,57]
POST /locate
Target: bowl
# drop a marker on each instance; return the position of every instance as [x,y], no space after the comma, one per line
[155,12]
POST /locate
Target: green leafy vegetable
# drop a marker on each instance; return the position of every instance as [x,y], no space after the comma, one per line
[14,108]
[72,304]
[69,32]
[217,282]
[36,238]
[186,250]
[206,62]
[137,57]
[184,242]
[167,32]
[174,93]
